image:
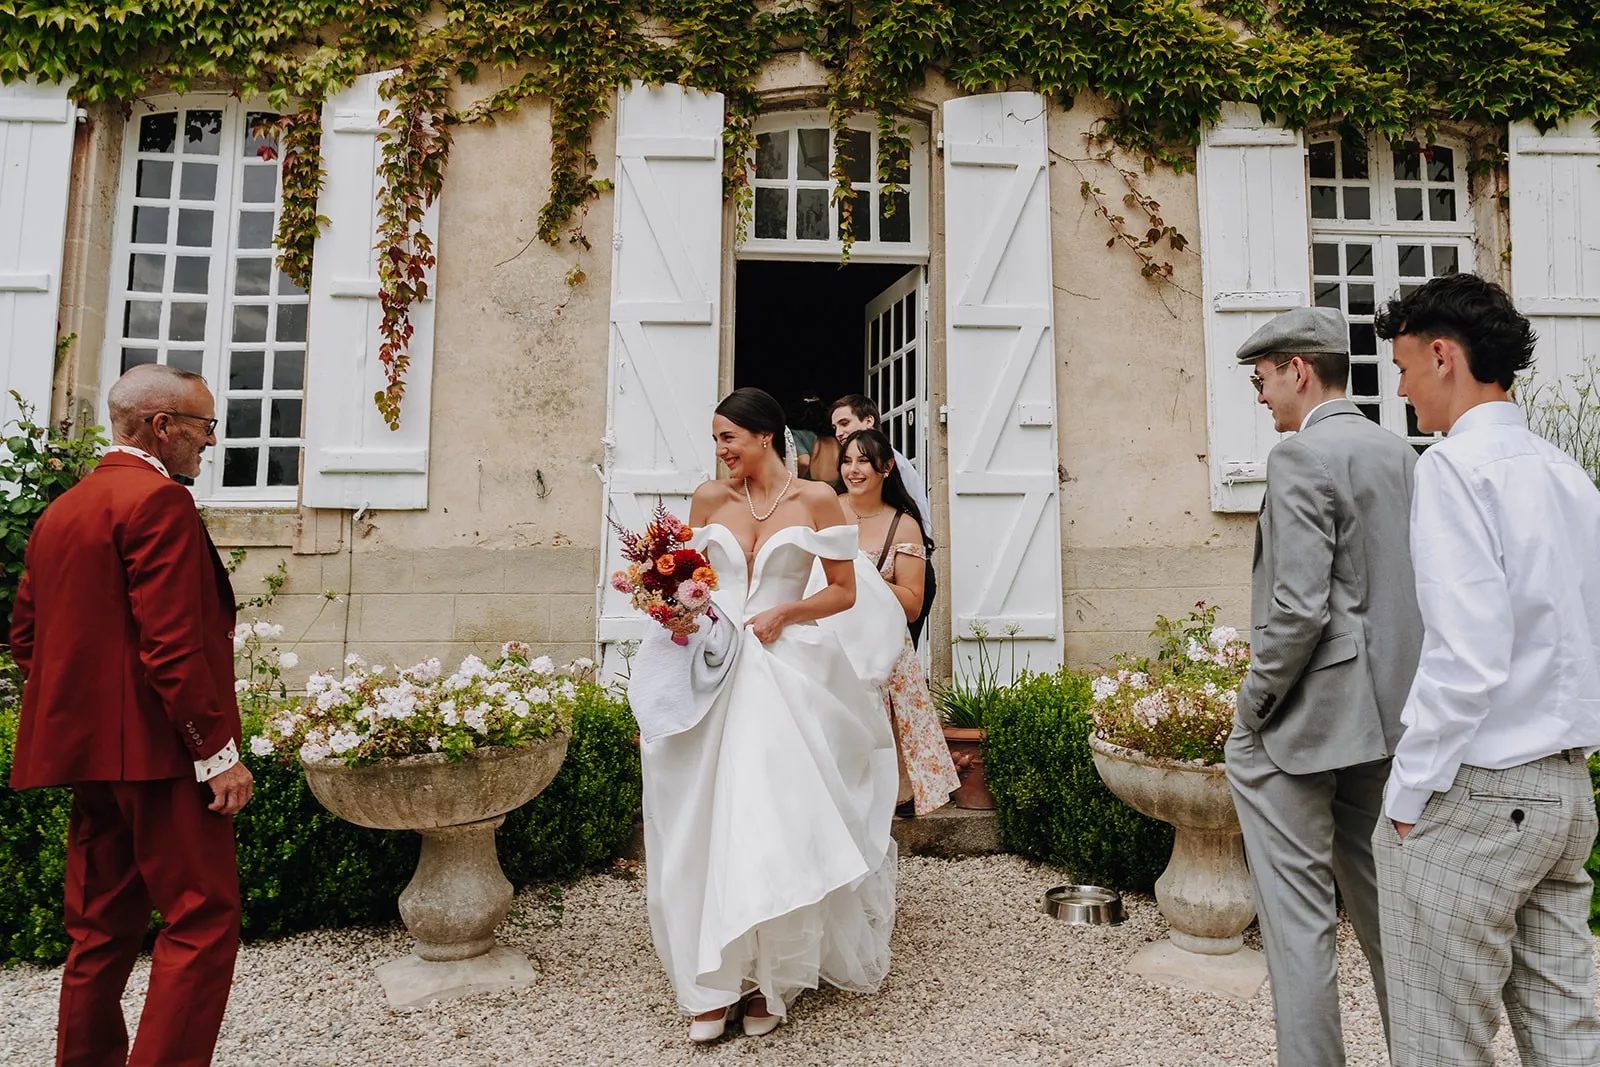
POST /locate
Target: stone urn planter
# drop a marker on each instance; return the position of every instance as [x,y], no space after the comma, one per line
[1205,893]
[459,894]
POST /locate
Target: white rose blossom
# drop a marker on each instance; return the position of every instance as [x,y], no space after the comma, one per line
[1104,687]
[261,746]
[288,660]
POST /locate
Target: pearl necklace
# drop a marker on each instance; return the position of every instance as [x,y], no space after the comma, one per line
[776,500]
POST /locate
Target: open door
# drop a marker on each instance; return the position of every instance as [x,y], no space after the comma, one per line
[897,365]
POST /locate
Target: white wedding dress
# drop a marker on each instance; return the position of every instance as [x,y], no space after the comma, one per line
[767,849]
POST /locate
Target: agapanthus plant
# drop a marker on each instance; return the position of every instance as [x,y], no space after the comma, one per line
[375,713]
[1181,705]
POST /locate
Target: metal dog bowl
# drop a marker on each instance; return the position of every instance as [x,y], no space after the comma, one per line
[1084,905]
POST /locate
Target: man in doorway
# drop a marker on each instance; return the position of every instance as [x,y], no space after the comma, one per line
[856,412]
[1490,812]
[1334,644]
[122,631]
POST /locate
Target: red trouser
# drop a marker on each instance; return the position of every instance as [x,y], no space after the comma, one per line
[134,846]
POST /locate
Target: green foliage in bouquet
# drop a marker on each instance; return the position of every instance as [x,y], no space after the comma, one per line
[1180,706]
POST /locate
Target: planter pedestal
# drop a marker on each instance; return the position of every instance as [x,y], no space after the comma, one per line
[459,894]
[1205,892]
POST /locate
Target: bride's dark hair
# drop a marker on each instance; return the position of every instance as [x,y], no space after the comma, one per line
[877,450]
[754,410]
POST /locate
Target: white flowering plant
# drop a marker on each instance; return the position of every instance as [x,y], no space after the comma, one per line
[375,713]
[1180,706]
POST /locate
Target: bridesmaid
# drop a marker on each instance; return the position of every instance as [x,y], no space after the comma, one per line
[889,530]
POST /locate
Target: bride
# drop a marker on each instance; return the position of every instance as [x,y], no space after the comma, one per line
[768,857]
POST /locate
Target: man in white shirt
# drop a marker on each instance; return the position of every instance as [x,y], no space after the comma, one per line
[1490,812]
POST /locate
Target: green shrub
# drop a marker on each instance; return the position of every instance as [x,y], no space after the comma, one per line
[301,868]
[1051,804]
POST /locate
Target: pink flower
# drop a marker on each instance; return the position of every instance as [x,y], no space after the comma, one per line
[620,582]
[694,595]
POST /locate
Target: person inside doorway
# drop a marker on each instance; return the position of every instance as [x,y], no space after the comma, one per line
[856,412]
[816,449]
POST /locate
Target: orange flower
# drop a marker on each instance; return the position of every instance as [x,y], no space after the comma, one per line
[635,573]
[685,535]
[706,575]
[666,564]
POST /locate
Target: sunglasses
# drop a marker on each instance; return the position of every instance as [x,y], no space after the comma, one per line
[1260,382]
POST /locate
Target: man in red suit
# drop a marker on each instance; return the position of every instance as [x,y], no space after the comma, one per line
[122,630]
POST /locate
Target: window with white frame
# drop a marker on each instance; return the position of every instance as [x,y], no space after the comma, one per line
[194,285]
[793,212]
[1384,219]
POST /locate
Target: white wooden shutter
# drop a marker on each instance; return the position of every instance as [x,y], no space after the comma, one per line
[1255,251]
[665,285]
[353,460]
[1555,242]
[1005,517]
[36,131]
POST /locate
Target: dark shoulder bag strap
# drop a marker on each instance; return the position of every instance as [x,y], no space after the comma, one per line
[894,524]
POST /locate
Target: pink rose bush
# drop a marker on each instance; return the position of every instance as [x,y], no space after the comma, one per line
[1180,706]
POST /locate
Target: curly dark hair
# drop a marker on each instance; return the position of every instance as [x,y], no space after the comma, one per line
[1476,314]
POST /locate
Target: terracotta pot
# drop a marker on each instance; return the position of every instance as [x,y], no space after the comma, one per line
[966,749]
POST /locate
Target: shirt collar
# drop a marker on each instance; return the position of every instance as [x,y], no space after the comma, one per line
[1492,413]
[130,450]
[1318,408]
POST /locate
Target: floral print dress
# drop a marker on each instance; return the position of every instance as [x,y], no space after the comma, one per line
[927,774]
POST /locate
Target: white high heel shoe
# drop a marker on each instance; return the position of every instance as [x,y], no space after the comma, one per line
[760,1025]
[705,1031]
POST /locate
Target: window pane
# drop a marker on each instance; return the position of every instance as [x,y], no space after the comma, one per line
[260,184]
[245,370]
[146,272]
[150,225]
[288,370]
[1322,159]
[1324,259]
[1364,379]
[1445,260]
[194,227]
[1358,260]
[287,287]
[1412,265]
[251,277]
[188,323]
[1442,205]
[250,323]
[285,420]
[1442,165]
[244,419]
[1412,429]
[142,318]
[1360,300]
[1363,340]
[255,229]
[239,466]
[1357,202]
[155,178]
[1324,202]
[158,133]
[1328,295]
[772,213]
[1355,159]
[1408,205]
[772,155]
[199,181]
[897,160]
[283,465]
[911,318]
[253,143]
[291,322]
[190,360]
[811,215]
[1372,412]
[897,316]
[137,357]
[858,156]
[811,163]
[894,221]
[202,133]
[192,274]
[1407,164]
[911,370]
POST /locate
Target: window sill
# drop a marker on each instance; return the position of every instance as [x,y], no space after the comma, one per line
[252,525]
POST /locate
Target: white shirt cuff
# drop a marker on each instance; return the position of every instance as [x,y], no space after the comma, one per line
[1405,805]
[208,768]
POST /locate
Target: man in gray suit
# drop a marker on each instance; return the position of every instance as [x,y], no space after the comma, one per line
[1335,640]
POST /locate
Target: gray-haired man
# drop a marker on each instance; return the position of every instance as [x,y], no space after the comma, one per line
[1334,644]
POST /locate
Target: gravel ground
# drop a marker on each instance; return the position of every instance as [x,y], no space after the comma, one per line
[979,975]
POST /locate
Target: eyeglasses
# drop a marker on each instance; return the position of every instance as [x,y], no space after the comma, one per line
[1260,382]
[211,424]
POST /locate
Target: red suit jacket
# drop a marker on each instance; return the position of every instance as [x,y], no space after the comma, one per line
[122,629]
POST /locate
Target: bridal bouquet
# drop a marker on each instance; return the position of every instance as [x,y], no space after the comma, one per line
[668,582]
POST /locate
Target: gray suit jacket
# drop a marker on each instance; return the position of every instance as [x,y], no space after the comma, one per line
[1335,631]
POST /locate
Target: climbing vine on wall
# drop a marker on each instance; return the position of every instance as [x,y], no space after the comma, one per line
[1162,67]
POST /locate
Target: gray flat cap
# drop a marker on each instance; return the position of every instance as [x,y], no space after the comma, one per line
[1303,331]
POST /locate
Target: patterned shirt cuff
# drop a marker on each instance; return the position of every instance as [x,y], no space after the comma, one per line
[208,768]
